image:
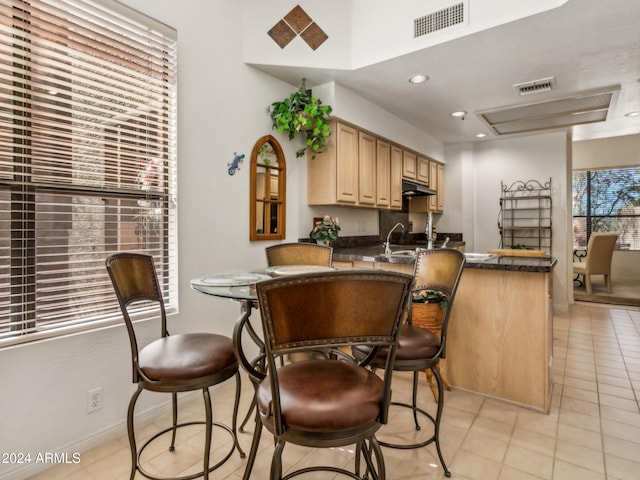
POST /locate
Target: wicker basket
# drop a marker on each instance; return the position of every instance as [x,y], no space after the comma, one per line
[427,315]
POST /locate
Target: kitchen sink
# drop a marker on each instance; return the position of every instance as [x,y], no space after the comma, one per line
[479,257]
[404,253]
[400,256]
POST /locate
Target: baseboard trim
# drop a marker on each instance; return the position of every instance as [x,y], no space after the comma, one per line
[608,299]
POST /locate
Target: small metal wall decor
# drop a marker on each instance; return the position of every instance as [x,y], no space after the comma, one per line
[235,163]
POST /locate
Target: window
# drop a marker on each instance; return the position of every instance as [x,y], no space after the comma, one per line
[607,200]
[87,159]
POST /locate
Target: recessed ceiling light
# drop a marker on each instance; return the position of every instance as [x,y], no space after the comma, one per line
[461,113]
[418,78]
[481,135]
[632,114]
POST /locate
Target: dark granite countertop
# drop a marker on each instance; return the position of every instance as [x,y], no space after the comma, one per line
[375,253]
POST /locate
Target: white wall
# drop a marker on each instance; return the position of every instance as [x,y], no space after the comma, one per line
[472,189]
[357,28]
[621,151]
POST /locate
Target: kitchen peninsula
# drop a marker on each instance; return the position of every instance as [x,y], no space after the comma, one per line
[500,330]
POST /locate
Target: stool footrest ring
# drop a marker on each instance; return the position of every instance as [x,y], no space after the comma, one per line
[432,439]
[195,475]
[412,445]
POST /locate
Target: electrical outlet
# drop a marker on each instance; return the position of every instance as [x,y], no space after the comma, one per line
[94,400]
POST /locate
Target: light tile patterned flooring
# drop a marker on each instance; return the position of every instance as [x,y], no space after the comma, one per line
[591,433]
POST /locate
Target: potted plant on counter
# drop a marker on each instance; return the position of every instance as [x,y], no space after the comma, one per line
[325,231]
[302,113]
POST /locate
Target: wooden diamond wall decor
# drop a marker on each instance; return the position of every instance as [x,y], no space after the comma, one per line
[282,33]
[295,23]
[314,36]
[298,19]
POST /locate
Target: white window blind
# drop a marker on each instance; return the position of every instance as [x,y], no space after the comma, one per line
[87,159]
[607,200]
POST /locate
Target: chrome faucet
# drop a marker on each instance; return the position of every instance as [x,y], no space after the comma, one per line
[444,244]
[387,245]
[429,231]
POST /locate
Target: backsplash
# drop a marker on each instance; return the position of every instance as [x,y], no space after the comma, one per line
[387,220]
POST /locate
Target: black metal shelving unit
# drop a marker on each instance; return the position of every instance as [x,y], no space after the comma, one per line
[525,215]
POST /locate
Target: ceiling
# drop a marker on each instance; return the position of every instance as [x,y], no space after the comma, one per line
[585,45]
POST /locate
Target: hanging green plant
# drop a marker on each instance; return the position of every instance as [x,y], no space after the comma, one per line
[302,113]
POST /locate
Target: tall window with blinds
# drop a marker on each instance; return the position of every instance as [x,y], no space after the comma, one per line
[607,200]
[87,159]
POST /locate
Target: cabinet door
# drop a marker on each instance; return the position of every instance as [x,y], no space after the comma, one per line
[433,176]
[440,183]
[366,169]
[396,177]
[347,163]
[408,164]
[383,174]
[422,170]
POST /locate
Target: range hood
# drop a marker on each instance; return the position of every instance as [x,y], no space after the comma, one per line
[413,189]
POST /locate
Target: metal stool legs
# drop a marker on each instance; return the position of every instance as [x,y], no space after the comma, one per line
[208,422]
[435,438]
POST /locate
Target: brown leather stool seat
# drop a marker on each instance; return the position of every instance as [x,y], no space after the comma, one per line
[413,342]
[325,395]
[189,356]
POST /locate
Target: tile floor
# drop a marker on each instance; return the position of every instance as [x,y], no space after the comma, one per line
[591,433]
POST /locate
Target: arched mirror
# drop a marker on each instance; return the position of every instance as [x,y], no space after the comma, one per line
[268,191]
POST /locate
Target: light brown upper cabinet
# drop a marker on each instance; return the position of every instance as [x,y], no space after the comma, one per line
[268,188]
[422,170]
[396,177]
[409,165]
[431,203]
[332,177]
[440,184]
[433,175]
[383,174]
[367,166]
[359,168]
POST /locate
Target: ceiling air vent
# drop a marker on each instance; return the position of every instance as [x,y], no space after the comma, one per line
[433,22]
[578,109]
[536,86]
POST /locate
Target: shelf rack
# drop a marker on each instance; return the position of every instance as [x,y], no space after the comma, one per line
[525,215]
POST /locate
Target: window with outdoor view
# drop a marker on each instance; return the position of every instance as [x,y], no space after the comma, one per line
[87,159]
[607,200]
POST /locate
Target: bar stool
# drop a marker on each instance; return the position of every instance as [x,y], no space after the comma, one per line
[420,349]
[332,401]
[171,363]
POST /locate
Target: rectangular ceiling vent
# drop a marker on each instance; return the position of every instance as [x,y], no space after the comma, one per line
[579,109]
[536,86]
[433,22]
